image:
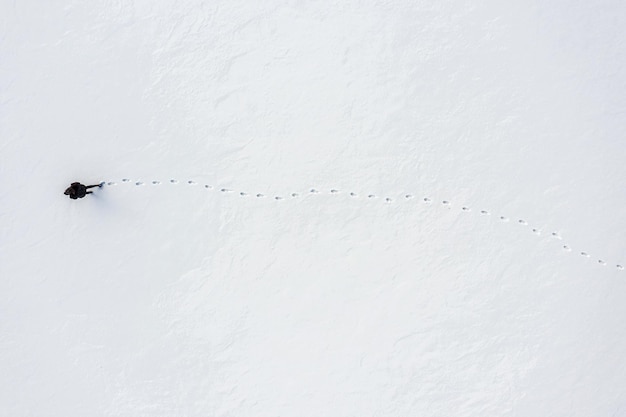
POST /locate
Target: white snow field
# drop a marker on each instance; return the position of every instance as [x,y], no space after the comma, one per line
[348,208]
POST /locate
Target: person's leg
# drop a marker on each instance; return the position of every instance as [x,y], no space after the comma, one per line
[91,186]
[89,192]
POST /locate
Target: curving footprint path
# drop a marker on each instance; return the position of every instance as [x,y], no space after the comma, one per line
[388,200]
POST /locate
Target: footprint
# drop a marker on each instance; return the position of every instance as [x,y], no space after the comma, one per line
[111,183]
[125,180]
[314,191]
[522,222]
[243,194]
[585,254]
[388,200]
[504,219]
[139,183]
[156,182]
[353,194]
[190,182]
[484,212]
[173,181]
[260,195]
[408,196]
[620,267]
[371,196]
[445,202]
[294,195]
[278,197]
[601,262]
[334,191]
[537,231]
[226,190]
[465,208]
[426,200]
[567,248]
[208,186]
[556,235]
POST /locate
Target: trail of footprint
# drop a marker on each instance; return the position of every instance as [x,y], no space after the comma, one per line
[426,200]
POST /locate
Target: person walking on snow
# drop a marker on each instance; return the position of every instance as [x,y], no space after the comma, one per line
[78,190]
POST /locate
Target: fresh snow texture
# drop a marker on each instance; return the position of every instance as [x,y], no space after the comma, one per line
[351,208]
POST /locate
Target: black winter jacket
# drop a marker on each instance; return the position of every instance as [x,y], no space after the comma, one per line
[76,190]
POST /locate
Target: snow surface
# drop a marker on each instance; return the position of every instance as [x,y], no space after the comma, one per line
[191,299]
